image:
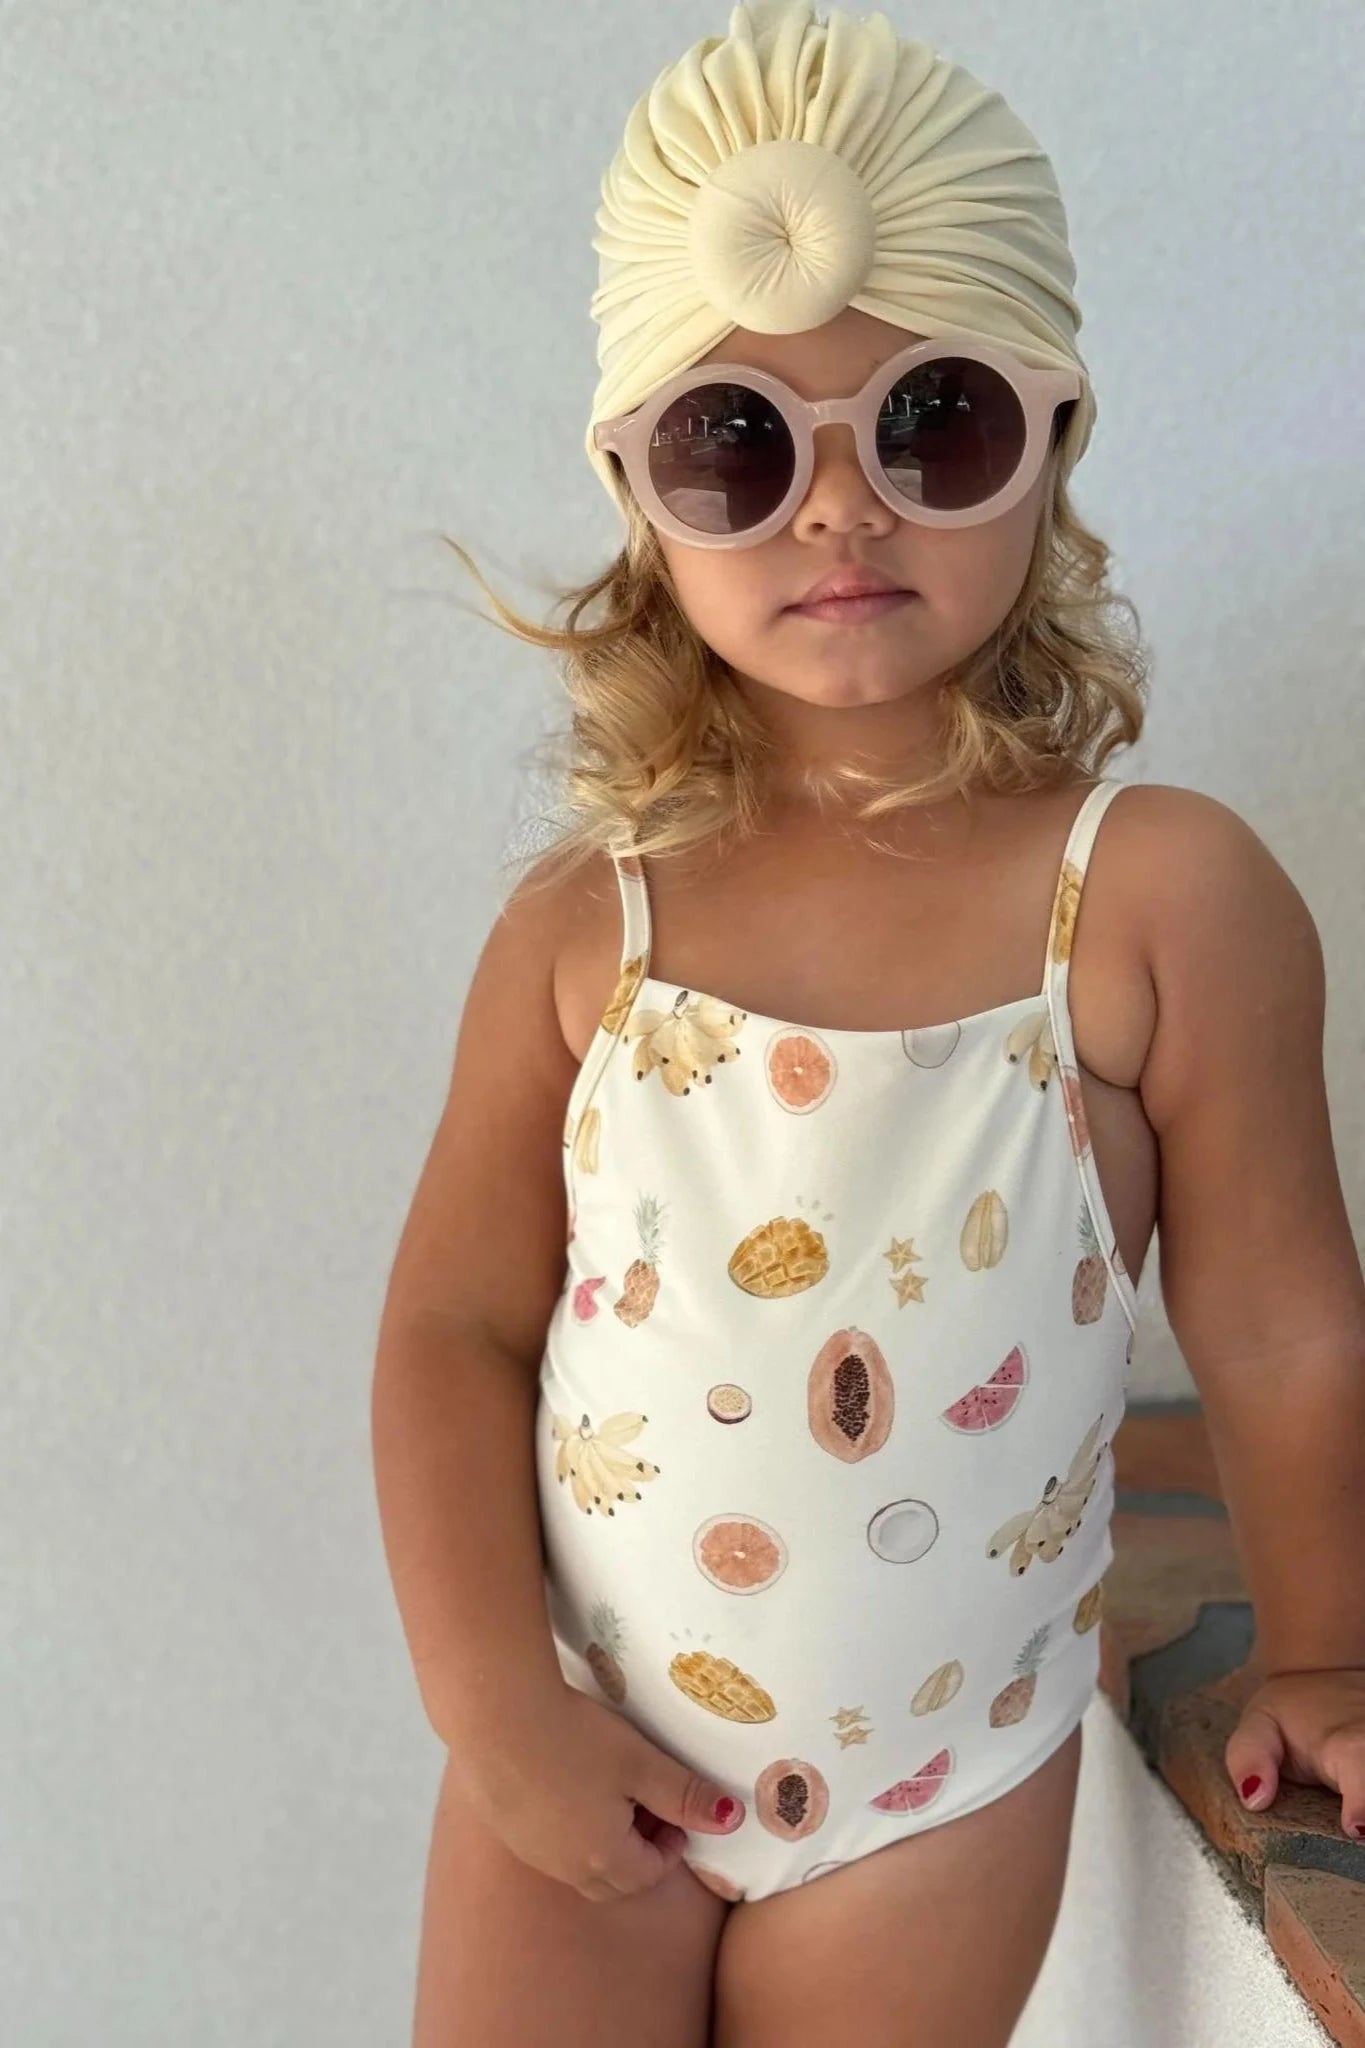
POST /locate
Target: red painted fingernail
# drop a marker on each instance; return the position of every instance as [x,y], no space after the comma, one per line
[1358,1828]
[724,1808]
[1250,1786]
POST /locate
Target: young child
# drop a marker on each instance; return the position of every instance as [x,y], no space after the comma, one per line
[757,1340]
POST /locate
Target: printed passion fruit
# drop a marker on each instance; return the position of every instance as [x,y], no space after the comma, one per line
[791,1798]
[850,1399]
[728,1403]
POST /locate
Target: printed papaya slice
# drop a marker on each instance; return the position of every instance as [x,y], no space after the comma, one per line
[791,1798]
[850,1398]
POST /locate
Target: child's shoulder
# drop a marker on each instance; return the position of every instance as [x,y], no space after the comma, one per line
[1224,924]
[562,918]
[1182,847]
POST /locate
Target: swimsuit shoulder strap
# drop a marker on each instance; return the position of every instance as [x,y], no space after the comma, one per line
[635,918]
[1066,905]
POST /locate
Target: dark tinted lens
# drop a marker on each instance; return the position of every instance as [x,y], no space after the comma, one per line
[721,458]
[950,433]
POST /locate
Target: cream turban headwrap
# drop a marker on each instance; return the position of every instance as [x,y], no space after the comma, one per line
[773,176]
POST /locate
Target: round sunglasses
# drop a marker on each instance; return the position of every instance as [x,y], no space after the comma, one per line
[950,432]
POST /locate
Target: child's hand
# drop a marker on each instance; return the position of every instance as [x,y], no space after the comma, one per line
[566,1801]
[1308,1726]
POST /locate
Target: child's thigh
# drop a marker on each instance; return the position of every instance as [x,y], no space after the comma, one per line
[937,1938]
[510,1955]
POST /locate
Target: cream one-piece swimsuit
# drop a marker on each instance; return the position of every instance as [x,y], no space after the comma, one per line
[827,1400]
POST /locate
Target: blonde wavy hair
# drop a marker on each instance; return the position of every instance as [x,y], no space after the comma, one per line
[661,744]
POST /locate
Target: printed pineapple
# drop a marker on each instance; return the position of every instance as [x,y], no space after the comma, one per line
[604,1651]
[1090,1279]
[640,1287]
[720,1686]
[1014,1700]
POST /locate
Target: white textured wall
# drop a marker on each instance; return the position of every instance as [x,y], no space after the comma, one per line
[1151,1948]
[267,273]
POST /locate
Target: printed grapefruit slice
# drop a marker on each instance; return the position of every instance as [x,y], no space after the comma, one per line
[739,1553]
[990,1404]
[910,1795]
[800,1069]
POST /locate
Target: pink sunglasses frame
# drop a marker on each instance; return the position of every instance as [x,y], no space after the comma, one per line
[1039,392]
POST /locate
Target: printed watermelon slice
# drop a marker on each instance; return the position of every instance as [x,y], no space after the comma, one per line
[987,1406]
[585,1297]
[909,1795]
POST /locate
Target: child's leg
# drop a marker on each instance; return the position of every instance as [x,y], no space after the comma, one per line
[511,1955]
[934,1939]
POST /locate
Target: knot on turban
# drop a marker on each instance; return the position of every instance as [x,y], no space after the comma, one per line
[771,177]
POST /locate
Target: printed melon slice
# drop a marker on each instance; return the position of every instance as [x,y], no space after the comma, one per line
[987,1406]
[909,1795]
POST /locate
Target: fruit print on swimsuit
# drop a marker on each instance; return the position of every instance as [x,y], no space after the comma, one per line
[640,1288]
[906,1286]
[683,1043]
[623,995]
[597,1468]
[791,1798]
[1013,1701]
[720,1687]
[850,1396]
[931,1045]
[584,1297]
[783,1256]
[1089,1608]
[912,1795]
[902,1531]
[938,1688]
[1032,1041]
[800,1068]
[851,1726]
[993,1402]
[585,1140]
[739,1553]
[985,1234]
[1042,1531]
[1090,1281]
[604,1651]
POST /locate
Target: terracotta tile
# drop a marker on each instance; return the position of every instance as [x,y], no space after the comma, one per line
[1164,1567]
[1165,1448]
[1316,1925]
[1175,1595]
[1302,1827]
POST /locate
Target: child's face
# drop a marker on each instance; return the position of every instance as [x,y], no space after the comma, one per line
[739,599]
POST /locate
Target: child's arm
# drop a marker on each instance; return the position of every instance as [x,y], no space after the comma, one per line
[479,1263]
[1261,1278]
[479,1266]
